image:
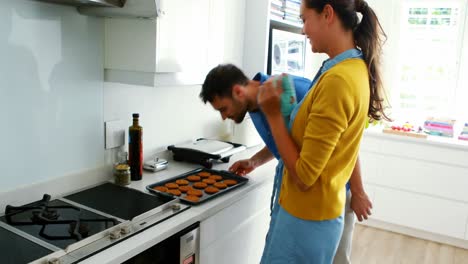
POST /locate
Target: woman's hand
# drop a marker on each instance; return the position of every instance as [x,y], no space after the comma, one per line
[361,205]
[269,97]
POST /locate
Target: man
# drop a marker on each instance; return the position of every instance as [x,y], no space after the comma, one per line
[231,93]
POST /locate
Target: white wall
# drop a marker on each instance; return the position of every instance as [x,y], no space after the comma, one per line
[53,101]
[168,115]
[50,92]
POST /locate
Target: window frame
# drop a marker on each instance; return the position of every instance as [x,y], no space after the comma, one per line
[392,59]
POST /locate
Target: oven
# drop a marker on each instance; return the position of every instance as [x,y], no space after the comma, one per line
[181,248]
[72,228]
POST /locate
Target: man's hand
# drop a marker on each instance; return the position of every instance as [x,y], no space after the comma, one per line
[361,205]
[242,167]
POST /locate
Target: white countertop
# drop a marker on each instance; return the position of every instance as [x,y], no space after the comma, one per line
[452,143]
[153,235]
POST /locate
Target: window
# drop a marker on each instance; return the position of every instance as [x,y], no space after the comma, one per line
[427,77]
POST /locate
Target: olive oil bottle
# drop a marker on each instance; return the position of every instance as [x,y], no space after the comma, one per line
[135,149]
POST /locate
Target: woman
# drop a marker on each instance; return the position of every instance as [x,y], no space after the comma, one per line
[326,127]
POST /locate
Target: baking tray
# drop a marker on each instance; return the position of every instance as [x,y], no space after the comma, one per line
[225,174]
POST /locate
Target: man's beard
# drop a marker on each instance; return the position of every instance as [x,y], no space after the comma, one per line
[238,119]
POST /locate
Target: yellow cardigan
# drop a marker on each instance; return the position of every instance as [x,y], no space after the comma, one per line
[327,129]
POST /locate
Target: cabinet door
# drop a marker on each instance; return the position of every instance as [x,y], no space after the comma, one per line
[182,36]
[243,245]
[422,212]
[226,41]
[237,233]
[256,36]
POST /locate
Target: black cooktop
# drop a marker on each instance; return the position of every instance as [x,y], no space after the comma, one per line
[59,223]
[15,249]
[56,222]
[118,201]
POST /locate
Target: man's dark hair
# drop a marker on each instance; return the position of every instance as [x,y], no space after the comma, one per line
[220,80]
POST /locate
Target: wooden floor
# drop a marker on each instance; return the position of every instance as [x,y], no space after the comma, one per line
[371,245]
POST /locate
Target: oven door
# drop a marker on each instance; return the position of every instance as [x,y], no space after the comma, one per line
[181,248]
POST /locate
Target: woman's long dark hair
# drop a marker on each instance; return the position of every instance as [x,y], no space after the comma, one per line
[369,37]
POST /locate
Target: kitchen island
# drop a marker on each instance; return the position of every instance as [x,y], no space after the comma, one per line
[239,217]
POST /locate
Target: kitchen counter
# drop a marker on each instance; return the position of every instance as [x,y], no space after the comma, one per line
[151,236]
[436,141]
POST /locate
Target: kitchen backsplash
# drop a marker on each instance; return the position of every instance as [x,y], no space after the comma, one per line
[50,93]
[168,115]
[53,100]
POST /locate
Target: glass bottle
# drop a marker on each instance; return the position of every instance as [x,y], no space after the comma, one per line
[135,149]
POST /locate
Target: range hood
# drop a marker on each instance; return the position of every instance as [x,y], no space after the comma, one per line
[146,9]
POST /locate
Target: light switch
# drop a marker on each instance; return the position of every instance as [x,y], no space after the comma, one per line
[115,133]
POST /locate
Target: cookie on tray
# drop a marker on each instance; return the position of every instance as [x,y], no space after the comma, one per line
[185,188]
[182,182]
[211,190]
[192,198]
[204,174]
[160,188]
[174,192]
[220,185]
[216,177]
[200,185]
[230,182]
[193,178]
[171,185]
[195,192]
[208,181]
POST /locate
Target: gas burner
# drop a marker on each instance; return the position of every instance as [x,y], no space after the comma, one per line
[41,212]
[39,217]
[50,215]
[82,230]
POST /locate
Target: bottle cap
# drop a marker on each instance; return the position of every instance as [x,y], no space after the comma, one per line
[136,115]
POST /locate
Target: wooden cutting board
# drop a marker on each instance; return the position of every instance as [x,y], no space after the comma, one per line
[403,133]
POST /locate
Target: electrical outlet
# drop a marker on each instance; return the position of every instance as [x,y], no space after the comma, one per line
[115,133]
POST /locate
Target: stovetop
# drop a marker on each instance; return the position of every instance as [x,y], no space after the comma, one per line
[126,205]
[16,249]
[56,222]
[79,225]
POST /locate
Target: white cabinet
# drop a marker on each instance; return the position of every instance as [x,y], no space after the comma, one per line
[137,50]
[422,212]
[419,185]
[174,42]
[241,226]
[182,37]
[226,40]
[256,36]
[178,47]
